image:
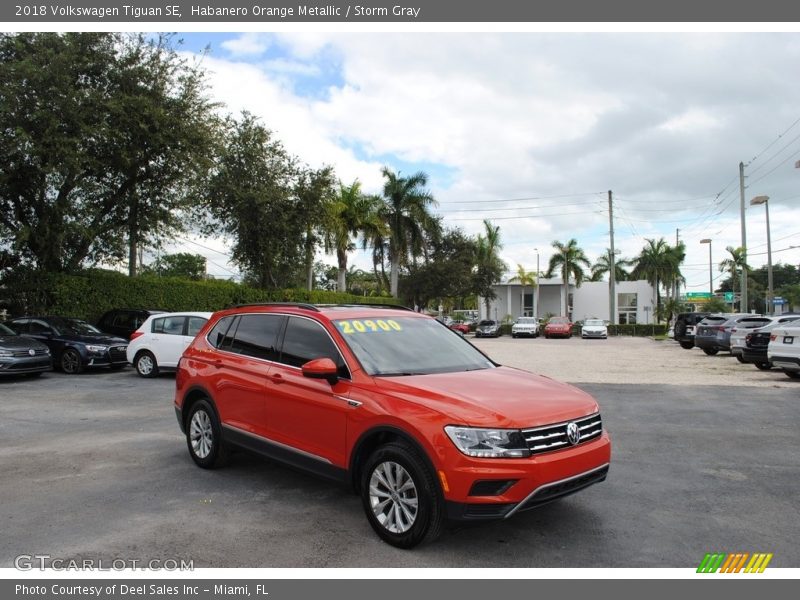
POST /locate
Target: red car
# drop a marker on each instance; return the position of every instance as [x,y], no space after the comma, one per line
[419,422]
[558,327]
[460,326]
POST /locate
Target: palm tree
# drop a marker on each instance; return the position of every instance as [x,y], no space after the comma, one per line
[490,266]
[525,278]
[652,265]
[406,212]
[603,266]
[734,264]
[351,213]
[569,260]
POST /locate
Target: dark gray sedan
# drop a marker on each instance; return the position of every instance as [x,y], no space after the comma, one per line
[21,355]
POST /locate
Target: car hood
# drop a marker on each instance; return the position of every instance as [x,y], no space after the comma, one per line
[498,397]
[19,342]
[594,328]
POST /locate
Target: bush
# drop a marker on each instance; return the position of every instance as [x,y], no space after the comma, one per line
[89,294]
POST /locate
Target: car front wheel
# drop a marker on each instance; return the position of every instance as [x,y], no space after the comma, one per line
[687,345]
[764,366]
[793,374]
[71,362]
[400,496]
[204,436]
[146,365]
[711,351]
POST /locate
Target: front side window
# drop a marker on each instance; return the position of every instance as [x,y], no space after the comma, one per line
[257,336]
[73,327]
[217,336]
[409,346]
[307,340]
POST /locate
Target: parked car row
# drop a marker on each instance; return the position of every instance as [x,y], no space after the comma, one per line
[763,341]
[35,344]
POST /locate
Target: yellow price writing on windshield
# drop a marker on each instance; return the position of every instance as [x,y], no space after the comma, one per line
[368,326]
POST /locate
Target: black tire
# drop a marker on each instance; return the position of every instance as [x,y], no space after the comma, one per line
[146,364]
[793,374]
[204,436]
[763,366]
[407,466]
[687,345]
[740,358]
[711,351]
[513,336]
[71,362]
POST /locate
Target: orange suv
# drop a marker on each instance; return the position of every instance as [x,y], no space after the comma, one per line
[423,425]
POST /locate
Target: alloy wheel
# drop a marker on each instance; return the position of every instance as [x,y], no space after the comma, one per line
[201,434]
[393,497]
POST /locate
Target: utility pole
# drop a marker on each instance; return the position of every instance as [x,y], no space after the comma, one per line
[743,303]
[676,284]
[612,263]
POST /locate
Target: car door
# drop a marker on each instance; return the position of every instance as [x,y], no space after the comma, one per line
[241,367]
[166,339]
[42,331]
[309,415]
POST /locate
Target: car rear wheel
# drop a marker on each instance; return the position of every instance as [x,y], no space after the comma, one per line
[71,362]
[711,351]
[146,365]
[687,345]
[400,496]
[739,358]
[764,366]
[204,436]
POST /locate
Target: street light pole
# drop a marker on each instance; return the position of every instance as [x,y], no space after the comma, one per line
[765,201]
[743,304]
[710,268]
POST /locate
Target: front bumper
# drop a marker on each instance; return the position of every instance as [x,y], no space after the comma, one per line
[594,334]
[524,332]
[23,365]
[533,481]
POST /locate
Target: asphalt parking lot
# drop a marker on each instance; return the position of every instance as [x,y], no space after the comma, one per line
[94,466]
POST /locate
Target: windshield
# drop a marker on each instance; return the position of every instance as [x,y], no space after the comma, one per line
[526,320]
[559,320]
[594,322]
[409,346]
[5,330]
[486,324]
[73,326]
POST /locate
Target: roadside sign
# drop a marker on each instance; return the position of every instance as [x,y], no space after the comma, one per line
[698,295]
[728,296]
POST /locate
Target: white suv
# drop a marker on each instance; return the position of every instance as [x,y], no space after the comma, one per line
[525,326]
[161,340]
[784,349]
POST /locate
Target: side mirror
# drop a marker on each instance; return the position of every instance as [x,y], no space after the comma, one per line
[321,368]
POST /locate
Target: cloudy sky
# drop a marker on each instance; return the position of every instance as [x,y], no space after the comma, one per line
[532,129]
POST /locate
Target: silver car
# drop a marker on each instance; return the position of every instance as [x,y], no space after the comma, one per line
[22,355]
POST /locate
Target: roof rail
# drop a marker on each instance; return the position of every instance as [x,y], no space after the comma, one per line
[394,306]
[304,305]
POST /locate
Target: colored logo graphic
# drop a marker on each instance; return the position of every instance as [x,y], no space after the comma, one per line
[734,563]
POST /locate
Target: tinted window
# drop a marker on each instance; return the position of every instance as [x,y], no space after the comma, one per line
[6,331]
[306,340]
[195,325]
[20,326]
[216,337]
[39,327]
[169,325]
[127,320]
[257,336]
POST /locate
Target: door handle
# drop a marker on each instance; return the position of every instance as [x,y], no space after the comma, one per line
[277,378]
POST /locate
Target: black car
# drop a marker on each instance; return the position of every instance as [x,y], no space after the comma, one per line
[685,324]
[124,321]
[22,355]
[74,344]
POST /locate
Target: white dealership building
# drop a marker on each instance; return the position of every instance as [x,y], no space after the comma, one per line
[635,301]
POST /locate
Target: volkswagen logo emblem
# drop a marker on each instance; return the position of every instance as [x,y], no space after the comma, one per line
[573,433]
[32,352]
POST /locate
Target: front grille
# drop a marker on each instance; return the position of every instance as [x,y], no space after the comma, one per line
[553,437]
[25,353]
[118,352]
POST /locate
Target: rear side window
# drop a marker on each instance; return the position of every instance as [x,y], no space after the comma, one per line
[257,336]
[306,340]
[217,337]
[169,325]
[127,320]
[751,323]
[195,325]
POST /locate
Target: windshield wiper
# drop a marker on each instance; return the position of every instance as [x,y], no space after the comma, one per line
[397,374]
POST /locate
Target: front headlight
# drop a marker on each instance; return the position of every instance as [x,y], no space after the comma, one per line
[91,348]
[488,443]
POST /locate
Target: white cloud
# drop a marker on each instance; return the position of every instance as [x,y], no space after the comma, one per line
[247,44]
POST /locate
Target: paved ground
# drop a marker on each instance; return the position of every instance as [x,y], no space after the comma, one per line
[94,466]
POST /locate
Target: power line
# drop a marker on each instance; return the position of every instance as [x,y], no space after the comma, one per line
[523,199]
[771,171]
[773,142]
[460,210]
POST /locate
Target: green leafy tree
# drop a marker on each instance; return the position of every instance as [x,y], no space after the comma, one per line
[524,278]
[406,212]
[602,267]
[315,192]
[489,266]
[351,213]
[734,264]
[716,305]
[250,197]
[568,261]
[659,264]
[181,264]
[101,133]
